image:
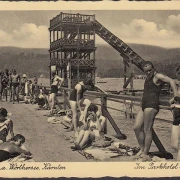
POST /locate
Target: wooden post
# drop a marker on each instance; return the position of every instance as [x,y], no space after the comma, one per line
[69,74]
[106,114]
[125,71]
[104,105]
[64,95]
[132,75]
[160,146]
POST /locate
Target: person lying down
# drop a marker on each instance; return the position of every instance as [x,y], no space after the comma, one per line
[13,148]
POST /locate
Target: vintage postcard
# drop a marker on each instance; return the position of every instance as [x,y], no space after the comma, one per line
[89,89]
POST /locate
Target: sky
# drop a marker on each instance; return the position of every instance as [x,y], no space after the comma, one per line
[29,29]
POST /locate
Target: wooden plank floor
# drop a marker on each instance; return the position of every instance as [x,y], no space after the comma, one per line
[47,143]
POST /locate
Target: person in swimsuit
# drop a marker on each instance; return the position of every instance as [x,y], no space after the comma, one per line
[15,82]
[94,128]
[67,120]
[6,126]
[56,84]
[4,84]
[150,107]
[75,97]
[24,79]
[13,148]
[176,115]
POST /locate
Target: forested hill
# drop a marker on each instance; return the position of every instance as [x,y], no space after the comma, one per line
[108,61]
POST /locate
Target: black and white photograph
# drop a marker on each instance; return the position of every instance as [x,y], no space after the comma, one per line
[97,86]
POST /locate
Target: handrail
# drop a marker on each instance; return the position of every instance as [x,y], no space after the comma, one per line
[114,97]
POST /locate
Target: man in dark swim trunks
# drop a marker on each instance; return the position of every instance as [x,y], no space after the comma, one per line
[15,82]
[150,107]
[13,148]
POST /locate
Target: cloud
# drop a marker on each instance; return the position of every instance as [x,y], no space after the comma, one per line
[138,31]
[27,36]
[173,23]
[141,31]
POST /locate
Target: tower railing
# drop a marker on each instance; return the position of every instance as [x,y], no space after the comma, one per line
[71,18]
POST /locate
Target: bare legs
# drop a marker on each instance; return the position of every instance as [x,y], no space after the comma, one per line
[143,129]
[84,137]
[175,140]
[139,131]
[73,105]
[52,100]
[15,92]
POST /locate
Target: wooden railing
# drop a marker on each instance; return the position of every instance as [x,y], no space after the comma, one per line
[71,18]
[70,43]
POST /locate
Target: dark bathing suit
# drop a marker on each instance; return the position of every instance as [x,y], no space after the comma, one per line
[54,88]
[176,113]
[73,94]
[151,94]
[5,155]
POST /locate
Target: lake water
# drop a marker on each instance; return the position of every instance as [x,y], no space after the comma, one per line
[112,84]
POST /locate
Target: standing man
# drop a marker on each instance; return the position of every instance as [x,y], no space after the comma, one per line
[15,82]
[176,115]
[150,107]
[56,84]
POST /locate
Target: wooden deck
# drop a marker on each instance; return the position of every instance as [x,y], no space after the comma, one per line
[47,141]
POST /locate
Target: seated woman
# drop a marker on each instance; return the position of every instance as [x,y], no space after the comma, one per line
[76,95]
[13,148]
[94,127]
[6,126]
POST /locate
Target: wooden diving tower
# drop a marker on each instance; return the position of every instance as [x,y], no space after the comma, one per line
[72,47]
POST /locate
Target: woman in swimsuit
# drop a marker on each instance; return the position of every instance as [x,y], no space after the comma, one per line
[176,116]
[56,84]
[75,97]
[150,107]
[93,128]
[6,126]
[13,148]
[67,120]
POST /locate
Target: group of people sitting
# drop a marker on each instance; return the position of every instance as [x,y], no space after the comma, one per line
[89,127]
[10,148]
